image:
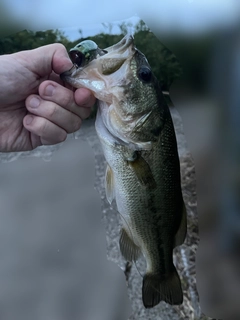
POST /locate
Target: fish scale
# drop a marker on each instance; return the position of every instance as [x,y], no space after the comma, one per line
[136,132]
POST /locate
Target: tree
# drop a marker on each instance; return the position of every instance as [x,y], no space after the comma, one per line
[163,62]
[26,40]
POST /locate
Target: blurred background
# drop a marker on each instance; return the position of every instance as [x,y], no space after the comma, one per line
[53,242]
[198,61]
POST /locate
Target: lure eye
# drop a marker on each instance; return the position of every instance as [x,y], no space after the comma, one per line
[76,57]
[144,74]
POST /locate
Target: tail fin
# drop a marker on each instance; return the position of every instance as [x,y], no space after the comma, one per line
[155,288]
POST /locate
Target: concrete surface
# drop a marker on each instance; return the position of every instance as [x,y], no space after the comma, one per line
[53,241]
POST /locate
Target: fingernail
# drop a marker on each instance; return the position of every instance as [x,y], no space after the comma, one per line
[29,119]
[49,90]
[34,102]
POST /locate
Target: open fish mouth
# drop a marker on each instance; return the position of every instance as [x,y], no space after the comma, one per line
[105,72]
[116,75]
[135,129]
[87,51]
[122,45]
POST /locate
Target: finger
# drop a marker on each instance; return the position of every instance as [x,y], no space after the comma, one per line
[51,111]
[49,90]
[84,98]
[50,57]
[48,132]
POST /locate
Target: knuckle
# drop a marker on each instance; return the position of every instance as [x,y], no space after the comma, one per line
[59,46]
[67,101]
[52,111]
[43,127]
[75,125]
[86,113]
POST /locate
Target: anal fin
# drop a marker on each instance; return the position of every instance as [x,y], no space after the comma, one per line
[128,248]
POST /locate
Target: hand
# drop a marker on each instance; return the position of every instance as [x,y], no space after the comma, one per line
[35,108]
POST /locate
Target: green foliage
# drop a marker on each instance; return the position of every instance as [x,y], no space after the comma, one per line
[193,54]
[163,62]
[27,40]
[103,40]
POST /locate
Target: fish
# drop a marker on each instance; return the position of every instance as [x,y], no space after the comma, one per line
[137,135]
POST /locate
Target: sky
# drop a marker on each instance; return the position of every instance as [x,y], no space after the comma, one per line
[182,16]
[90,29]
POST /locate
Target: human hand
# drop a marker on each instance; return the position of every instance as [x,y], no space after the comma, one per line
[35,107]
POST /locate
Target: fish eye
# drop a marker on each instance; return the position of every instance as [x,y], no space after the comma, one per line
[144,74]
[76,57]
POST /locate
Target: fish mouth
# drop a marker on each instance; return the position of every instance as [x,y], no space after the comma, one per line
[118,49]
[108,76]
[67,73]
[122,45]
[107,68]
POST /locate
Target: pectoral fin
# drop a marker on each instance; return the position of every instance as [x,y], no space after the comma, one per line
[128,248]
[182,230]
[143,172]
[141,121]
[109,184]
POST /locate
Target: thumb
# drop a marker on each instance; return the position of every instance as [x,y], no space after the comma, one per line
[45,59]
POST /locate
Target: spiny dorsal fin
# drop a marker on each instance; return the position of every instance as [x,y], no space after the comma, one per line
[128,248]
[141,121]
[109,184]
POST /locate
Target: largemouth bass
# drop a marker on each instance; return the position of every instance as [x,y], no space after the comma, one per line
[138,139]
